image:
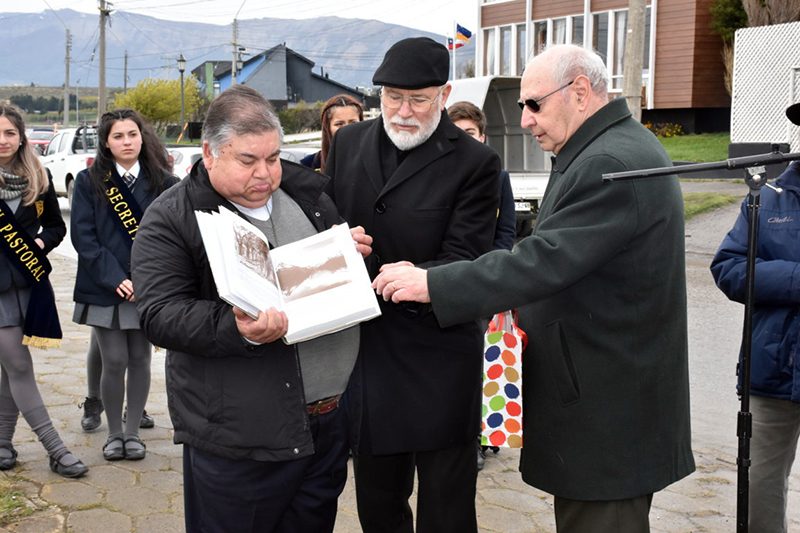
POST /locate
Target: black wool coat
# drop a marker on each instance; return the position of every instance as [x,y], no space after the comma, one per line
[416,385]
[41,219]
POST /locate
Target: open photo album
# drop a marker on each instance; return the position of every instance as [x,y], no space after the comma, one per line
[320,282]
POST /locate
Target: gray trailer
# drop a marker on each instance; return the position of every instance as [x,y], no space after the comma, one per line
[527,164]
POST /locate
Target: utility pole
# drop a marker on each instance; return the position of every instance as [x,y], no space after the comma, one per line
[65,122]
[634,58]
[105,10]
[125,74]
[235,44]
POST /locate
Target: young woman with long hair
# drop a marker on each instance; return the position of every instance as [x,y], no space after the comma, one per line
[128,173]
[337,112]
[30,227]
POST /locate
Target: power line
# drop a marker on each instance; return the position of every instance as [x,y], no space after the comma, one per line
[56,14]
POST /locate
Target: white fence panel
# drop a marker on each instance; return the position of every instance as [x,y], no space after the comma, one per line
[766,80]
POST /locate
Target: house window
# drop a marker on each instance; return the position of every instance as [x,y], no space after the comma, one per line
[620,30]
[600,35]
[577,30]
[646,62]
[488,51]
[539,37]
[505,51]
[522,52]
[559,31]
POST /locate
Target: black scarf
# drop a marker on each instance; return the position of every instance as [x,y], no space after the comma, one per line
[41,328]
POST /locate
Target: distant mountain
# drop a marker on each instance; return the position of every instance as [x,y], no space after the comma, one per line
[349,50]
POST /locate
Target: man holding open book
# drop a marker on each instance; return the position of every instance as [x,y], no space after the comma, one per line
[265,445]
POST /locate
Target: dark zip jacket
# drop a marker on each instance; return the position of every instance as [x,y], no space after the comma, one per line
[225,396]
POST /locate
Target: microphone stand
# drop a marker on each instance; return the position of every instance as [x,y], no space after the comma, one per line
[755,178]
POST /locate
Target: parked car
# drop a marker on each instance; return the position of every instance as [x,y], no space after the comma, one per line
[183,158]
[40,139]
[296,152]
[70,151]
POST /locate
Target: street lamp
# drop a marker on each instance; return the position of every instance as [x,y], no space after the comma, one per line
[181,69]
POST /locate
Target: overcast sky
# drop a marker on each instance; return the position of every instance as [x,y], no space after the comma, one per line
[435,16]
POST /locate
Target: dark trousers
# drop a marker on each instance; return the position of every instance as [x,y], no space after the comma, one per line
[445,492]
[614,516]
[235,496]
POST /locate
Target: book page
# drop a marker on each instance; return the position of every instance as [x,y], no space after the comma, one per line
[324,284]
[240,261]
[320,282]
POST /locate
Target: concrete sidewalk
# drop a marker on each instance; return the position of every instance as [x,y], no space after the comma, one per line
[146,496]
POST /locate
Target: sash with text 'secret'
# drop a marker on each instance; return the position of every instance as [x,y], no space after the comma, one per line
[123,205]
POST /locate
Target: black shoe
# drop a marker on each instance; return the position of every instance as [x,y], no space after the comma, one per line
[481,458]
[92,409]
[114,449]
[7,463]
[72,471]
[146,422]
[135,449]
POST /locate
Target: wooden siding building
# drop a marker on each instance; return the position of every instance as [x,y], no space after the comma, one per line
[683,74]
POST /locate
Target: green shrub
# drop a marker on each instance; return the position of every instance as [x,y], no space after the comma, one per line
[301,118]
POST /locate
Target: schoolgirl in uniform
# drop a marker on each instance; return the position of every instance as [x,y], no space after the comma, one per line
[30,227]
[109,199]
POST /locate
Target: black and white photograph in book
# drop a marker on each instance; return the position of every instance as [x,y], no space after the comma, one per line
[305,274]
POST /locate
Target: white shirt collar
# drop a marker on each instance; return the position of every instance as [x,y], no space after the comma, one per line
[134,170]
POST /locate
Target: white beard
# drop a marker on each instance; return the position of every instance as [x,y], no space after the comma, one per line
[405,140]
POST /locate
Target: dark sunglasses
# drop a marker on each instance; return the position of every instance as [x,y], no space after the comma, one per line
[536,105]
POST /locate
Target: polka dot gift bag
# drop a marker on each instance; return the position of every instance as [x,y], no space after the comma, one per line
[501,420]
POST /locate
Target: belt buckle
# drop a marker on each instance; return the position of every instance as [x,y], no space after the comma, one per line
[321,407]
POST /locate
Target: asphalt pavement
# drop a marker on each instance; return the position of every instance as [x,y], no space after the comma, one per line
[146,496]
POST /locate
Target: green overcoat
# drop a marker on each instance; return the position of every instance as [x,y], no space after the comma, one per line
[601,291]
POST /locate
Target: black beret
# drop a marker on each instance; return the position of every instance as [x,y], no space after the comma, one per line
[414,63]
[793,113]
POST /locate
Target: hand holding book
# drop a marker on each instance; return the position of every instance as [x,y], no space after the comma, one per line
[270,325]
[320,282]
[362,240]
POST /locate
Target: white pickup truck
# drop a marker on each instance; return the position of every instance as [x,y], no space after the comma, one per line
[526,163]
[69,152]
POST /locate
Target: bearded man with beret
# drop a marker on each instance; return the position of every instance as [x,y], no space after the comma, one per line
[427,193]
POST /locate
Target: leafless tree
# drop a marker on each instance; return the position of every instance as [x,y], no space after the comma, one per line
[768,12]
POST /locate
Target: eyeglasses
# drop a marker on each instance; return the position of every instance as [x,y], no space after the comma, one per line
[419,104]
[536,105]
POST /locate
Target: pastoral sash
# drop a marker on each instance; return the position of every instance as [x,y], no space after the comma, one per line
[41,328]
[124,207]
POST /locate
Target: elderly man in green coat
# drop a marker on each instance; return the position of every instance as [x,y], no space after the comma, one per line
[601,291]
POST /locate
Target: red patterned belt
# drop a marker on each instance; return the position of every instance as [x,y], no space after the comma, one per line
[326,405]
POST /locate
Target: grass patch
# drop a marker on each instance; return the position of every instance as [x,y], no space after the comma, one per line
[702,148]
[13,504]
[695,203]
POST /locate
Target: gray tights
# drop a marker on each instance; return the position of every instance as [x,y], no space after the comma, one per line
[121,351]
[19,393]
[94,367]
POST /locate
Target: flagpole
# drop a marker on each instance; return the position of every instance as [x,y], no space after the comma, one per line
[455,40]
